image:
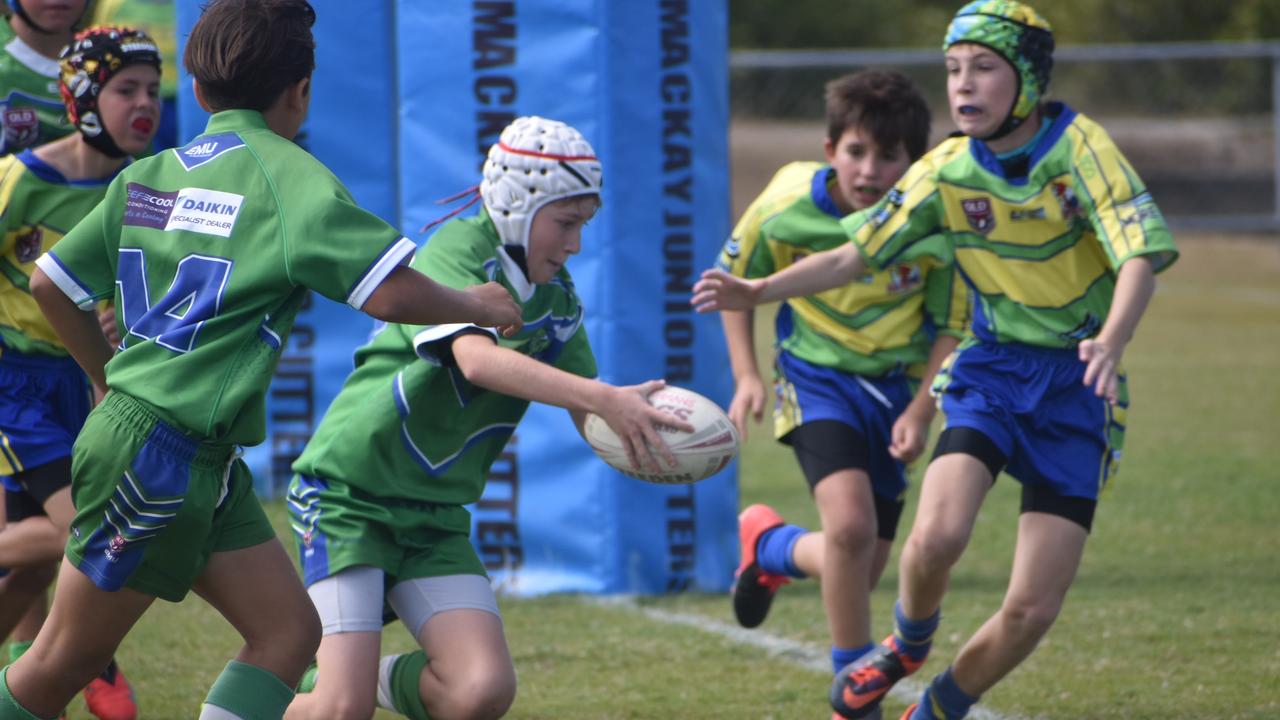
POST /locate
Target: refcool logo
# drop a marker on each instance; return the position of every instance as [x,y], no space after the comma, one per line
[205,211]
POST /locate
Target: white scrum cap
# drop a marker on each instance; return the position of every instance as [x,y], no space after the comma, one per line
[535,161]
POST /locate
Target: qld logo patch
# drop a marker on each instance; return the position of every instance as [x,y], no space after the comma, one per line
[209,212]
[27,245]
[904,278]
[978,211]
[21,127]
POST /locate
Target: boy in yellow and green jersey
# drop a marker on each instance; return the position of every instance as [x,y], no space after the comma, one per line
[1060,242]
[849,360]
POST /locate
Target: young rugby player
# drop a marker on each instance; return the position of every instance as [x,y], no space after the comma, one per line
[435,405]
[31,38]
[1060,241]
[110,80]
[209,251]
[32,34]
[846,360]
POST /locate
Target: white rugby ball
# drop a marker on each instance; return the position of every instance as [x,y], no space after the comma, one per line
[699,454]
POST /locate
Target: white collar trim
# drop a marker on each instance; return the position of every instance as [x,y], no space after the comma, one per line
[27,55]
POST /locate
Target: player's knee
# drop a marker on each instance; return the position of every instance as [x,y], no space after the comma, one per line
[294,643]
[851,538]
[936,548]
[1030,617]
[309,634]
[485,696]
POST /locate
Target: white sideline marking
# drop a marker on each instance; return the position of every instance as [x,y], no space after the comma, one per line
[805,655]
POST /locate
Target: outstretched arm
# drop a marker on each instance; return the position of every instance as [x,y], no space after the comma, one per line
[1134,286]
[409,297]
[625,409]
[718,290]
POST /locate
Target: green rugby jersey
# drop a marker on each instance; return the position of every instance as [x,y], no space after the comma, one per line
[37,207]
[208,251]
[422,431]
[31,109]
[880,323]
[1040,251]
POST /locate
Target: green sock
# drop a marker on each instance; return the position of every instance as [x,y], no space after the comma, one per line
[16,648]
[249,692]
[9,707]
[398,677]
[308,681]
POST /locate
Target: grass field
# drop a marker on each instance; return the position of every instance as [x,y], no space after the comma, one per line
[1176,612]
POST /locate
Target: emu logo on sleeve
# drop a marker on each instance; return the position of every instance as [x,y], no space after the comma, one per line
[978,211]
[206,148]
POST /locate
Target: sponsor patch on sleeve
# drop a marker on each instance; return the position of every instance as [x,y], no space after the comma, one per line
[210,212]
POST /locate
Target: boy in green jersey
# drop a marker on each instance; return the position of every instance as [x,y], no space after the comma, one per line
[209,251]
[44,396]
[1060,242]
[31,37]
[435,405]
[846,360]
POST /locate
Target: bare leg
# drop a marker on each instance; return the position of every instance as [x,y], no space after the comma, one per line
[954,488]
[844,554]
[39,540]
[22,602]
[1044,565]
[347,686]
[82,632]
[280,636]
[469,673]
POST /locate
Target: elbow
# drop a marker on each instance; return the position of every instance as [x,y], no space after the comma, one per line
[470,364]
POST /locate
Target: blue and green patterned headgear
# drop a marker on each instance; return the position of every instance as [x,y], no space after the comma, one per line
[1016,33]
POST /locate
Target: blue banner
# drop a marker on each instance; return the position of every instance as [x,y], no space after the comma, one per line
[408,98]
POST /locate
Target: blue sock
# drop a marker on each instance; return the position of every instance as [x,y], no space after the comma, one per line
[914,637]
[843,656]
[944,700]
[773,550]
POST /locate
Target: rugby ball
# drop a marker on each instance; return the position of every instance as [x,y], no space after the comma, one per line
[699,454]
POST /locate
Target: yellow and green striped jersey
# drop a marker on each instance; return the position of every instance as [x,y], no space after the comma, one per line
[1040,250]
[884,322]
[37,207]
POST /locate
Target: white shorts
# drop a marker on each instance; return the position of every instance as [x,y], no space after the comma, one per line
[352,600]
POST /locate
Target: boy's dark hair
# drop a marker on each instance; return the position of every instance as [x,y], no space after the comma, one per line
[244,53]
[885,104]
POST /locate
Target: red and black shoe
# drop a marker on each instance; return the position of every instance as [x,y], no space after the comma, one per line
[754,588]
[109,696]
[859,687]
